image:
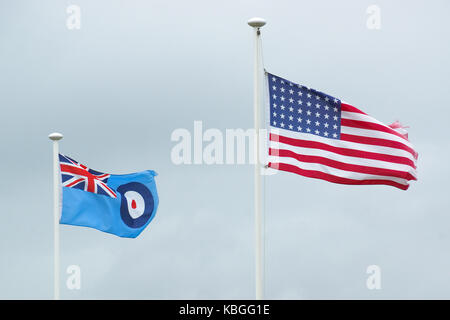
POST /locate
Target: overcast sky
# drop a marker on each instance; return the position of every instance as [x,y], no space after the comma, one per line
[137,70]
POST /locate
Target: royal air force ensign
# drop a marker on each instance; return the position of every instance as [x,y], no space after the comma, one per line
[119,204]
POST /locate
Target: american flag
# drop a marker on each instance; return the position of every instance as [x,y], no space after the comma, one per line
[78,176]
[319,136]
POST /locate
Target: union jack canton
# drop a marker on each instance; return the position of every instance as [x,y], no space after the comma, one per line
[78,176]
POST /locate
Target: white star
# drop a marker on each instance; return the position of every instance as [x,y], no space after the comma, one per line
[282,89]
[334,135]
[317,115]
[282,81]
[282,98]
[335,109]
[274,96]
[317,106]
[309,95]
[317,97]
[300,110]
[274,123]
[291,109]
[327,99]
[335,118]
[299,119]
[274,79]
[282,125]
[326,116]
[308,104]
[291,100]
[282,107]
[308,121]
[274,114]
[300,102]
[317,123]
[299,128]
[275,105]
[300,93]
[335,100]
[274,88]
[326,125]
[291,91]
[334,127]
[308,113]
[317,131]
[325,134]
[308,129]
[327,107]
[282,116]
[291,118]
[290,126]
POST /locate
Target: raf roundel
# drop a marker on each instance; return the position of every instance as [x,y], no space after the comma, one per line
[137,204]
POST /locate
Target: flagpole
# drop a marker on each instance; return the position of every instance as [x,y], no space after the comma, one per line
[256,24]
[55,137]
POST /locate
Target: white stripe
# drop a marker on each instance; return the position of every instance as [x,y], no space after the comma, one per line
[102,186]
[69,181]
[360,117]
[375,134]
[344,144]
[342,158]
[74,178]
[334,171]
[366,118]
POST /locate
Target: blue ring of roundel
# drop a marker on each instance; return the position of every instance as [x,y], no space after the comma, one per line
[148,200]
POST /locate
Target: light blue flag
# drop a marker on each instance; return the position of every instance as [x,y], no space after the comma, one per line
[119,204]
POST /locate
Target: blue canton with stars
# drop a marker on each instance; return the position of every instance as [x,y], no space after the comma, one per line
[302,109]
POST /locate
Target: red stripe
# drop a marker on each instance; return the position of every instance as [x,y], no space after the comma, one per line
[349,108]
[378,142]
[74,182]
[332,178]
[91,187]
[342,165]
[110,190]
[370,126]
[76,170]
[342,151]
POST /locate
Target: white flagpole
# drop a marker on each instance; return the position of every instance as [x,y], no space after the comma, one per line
[55,137]
[256,24]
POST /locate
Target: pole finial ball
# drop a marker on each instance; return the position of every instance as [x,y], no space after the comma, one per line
[55,136]
[256,22]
